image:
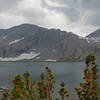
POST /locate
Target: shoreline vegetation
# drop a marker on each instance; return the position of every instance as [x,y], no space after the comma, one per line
[24,89]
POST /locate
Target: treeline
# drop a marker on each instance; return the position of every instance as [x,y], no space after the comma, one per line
[24,89]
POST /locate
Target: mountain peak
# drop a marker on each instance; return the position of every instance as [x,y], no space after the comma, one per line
[26,25]
[31,39]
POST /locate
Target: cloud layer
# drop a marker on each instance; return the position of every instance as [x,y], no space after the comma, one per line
[79,16]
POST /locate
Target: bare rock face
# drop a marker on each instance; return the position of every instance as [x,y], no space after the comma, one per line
[42,44]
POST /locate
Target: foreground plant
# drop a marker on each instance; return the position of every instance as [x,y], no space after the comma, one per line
[24,89]
[63,91]
[45,85]
[89,88]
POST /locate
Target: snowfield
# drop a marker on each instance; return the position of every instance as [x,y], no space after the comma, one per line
[21,57]
[54,60]
[4,37]
[15,41]
[92,39]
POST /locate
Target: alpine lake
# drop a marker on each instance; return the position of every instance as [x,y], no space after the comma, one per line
[69,72]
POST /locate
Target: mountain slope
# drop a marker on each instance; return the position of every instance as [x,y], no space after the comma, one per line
[29,41]
[94,36]
[94,39]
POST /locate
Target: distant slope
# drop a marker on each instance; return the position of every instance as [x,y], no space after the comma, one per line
[94,36]
[94,39]
[42,44]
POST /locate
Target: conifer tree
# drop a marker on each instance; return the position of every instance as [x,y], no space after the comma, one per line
[22,90]
[46,85]
[63,91]
[88,90]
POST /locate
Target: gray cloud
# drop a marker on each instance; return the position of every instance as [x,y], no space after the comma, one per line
[7,4]
[91,4]
[71,8]
[75,9]
[78,16]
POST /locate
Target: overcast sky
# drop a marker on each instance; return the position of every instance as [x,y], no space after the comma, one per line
[79,16]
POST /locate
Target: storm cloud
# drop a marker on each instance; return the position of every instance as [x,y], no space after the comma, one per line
[79,16]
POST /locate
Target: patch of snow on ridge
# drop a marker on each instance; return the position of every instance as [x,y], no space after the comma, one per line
[15,41]
[92,39]
[81,37]
[23,56]
[87,39]
[95,39]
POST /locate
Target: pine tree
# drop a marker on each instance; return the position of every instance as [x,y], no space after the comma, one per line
[46,85]
[88,90]
[63,91]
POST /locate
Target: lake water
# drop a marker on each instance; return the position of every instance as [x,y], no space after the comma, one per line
[69,72]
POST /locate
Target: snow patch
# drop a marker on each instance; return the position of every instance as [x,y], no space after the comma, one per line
[53,50]
[87,39]
[4,37]
[34,49]
[37,58]
[81,37]
[92,39]
[23,56]
[95,39]
[15,41]
[51,60]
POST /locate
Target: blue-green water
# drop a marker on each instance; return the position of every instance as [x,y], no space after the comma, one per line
[69,72]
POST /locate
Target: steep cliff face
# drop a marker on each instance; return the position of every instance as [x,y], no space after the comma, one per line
[29,41]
